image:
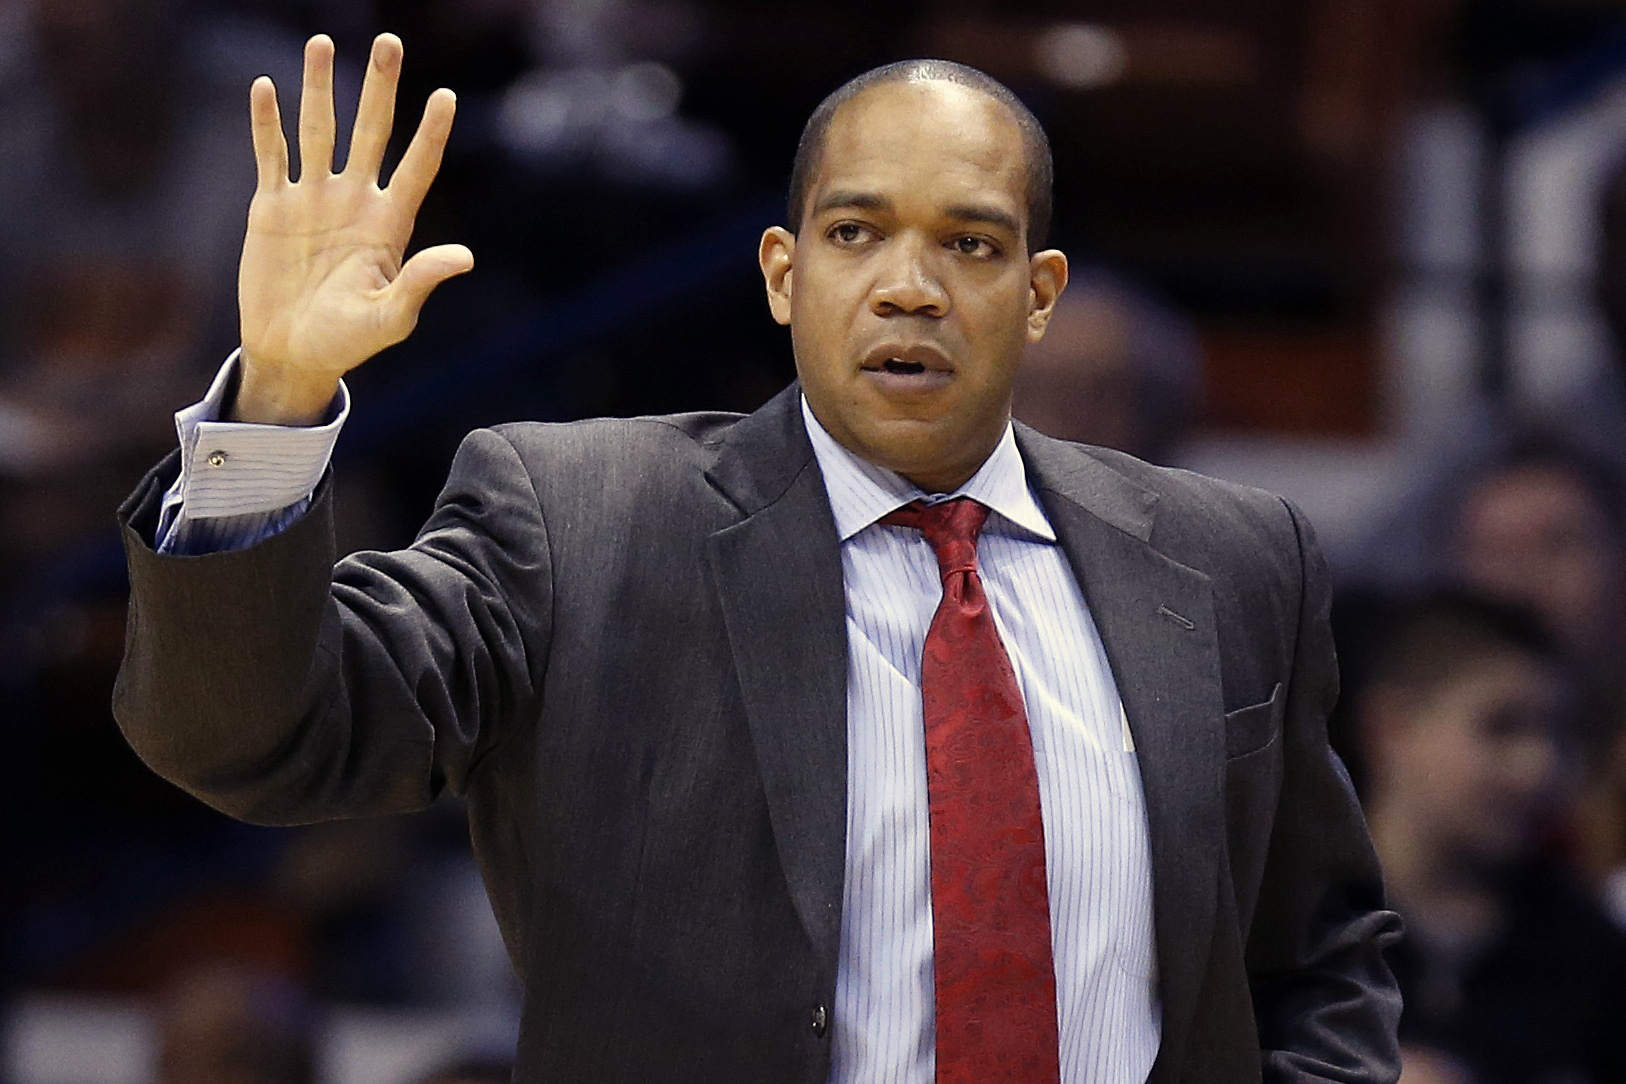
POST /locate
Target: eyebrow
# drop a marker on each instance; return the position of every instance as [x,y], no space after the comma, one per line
[978,212]
[959,212]
[842,197]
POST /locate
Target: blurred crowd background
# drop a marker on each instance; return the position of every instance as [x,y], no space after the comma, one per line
[1370,254]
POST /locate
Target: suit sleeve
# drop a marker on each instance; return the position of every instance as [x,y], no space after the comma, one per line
[282,689]
[1325,1000]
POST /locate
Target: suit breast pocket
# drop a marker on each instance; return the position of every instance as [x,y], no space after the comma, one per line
[1250,729]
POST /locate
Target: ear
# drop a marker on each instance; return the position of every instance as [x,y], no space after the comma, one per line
[1047,278]
[775,256]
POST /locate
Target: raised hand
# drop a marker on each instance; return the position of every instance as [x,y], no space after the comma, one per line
[321,287]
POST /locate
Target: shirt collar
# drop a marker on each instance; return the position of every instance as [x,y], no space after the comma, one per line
[861,492]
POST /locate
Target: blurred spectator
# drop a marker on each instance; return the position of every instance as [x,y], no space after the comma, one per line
[1116,368]
[1542,527]
[1545,528]
[123,190]
[124,182]
[1508,967]
[233,1025]
[125,177]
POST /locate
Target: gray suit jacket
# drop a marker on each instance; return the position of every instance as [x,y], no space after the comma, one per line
[625,642]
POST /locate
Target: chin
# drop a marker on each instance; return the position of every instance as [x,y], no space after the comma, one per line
[907,445]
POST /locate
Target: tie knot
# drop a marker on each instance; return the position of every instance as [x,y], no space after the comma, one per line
[951,527]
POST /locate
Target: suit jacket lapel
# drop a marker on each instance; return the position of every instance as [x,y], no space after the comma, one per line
[778,577]
[1156,619]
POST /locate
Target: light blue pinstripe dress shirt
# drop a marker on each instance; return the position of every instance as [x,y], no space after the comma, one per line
[1097,855]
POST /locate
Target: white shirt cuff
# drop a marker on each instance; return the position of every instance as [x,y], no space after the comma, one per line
[240,468]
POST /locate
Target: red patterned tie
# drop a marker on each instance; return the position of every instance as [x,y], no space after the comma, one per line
[996,984]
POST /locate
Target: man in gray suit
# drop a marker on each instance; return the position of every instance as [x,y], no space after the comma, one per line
[662,656]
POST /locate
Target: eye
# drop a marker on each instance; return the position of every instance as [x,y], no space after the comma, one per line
[971,245]
[850,233]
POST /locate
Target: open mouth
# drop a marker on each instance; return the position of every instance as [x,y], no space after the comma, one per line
[908,369]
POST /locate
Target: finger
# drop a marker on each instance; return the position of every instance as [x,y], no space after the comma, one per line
[316,109]
[404,298]
[270,145]
[375,116]
[412,178]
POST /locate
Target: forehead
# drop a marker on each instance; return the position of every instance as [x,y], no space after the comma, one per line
[1534,492]
[925,137]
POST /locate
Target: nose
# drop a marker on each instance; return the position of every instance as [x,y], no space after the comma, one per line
[906,283]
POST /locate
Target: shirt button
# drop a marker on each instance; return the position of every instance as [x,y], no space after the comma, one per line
[217,459]
[821,1020]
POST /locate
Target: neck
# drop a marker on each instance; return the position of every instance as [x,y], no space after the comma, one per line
[941,475]
[946,478]
[946,482]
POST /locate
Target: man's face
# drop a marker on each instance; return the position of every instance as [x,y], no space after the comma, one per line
[1535,535]
[908,289]
[1473,758]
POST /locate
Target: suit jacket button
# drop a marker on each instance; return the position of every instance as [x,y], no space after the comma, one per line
[821,1020]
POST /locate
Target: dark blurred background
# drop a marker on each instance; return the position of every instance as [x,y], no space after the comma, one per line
[1370,254]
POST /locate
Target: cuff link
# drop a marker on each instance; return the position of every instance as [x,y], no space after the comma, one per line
[216,459]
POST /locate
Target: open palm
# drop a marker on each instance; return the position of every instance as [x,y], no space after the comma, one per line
[322,286]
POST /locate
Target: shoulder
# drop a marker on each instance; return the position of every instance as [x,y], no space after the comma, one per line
[599,474]
[652,437]
[1192,518]
[1196,509]
[621,453]
[1257,555]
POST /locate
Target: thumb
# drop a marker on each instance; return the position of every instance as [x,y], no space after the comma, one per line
[420,275]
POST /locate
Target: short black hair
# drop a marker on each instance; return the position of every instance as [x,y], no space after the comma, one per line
[1546,448]
[1447,632]
[1040,171]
